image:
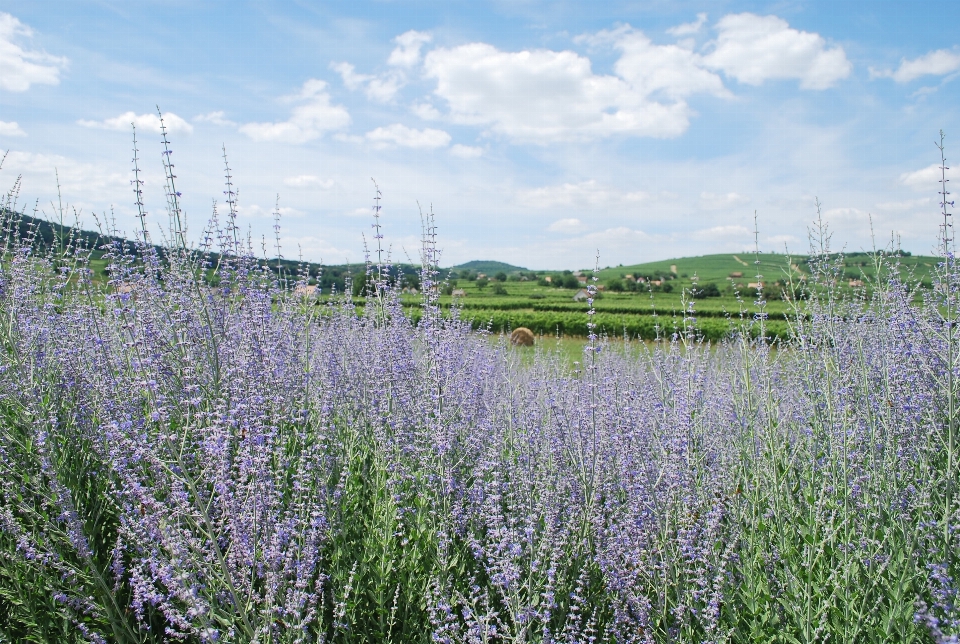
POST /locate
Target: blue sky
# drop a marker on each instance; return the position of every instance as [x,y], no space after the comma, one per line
[539,132]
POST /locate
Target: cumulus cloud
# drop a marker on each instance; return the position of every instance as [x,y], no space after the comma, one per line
[426,111]
[149,122]
[663,70]
[216,118]
[568,225]
[21,68]
[308,121]
[754,49]
[543,96]
[466,151]
[925,179]
[934,63]
[382,88]
[407,51]
[406,137]
[587,194]
[689,28]
[11,129]
[351,79]
[308,181]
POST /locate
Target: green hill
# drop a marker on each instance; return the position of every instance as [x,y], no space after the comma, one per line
[488,266]
[716,268]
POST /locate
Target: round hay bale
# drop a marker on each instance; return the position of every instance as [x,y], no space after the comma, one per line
[522,337]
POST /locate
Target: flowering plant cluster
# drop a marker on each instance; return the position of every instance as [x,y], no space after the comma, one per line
[223,460]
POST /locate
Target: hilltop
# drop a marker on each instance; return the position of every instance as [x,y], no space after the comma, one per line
[489,267]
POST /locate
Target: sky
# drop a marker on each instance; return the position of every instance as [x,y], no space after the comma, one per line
[539,133]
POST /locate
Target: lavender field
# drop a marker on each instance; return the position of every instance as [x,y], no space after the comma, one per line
[233,463]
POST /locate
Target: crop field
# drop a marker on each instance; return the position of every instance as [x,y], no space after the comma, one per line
[648,311]
[196,452]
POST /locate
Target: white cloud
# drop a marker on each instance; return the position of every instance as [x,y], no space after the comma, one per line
[351,79]
[20,68]
[754,48]
[315,247]
[149,122]
[466,151]
[615,237]
[737,234]
[668,70]
[407,137]
[689,28]
[87,185]
[587,194]
[255,211]
[382,88]
[407,51]
[11,129]
[909,204]
[780,242]
[307,121]
[569,225]
[544,96]
[934,63]
[926,179]
[308,181]
[426,111]
[615,244]
[725,200]
[846,216]
[216,118]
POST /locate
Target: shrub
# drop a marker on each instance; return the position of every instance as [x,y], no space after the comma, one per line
[184,462]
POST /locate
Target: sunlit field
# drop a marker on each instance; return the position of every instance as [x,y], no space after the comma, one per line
[195,446]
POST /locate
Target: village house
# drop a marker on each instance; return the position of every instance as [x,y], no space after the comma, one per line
[459,292]
[581,295]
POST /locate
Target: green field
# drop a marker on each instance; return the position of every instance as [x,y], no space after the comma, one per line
[720,290]
[707,295]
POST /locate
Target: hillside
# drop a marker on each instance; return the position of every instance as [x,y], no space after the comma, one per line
[488,266]
[717,268]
